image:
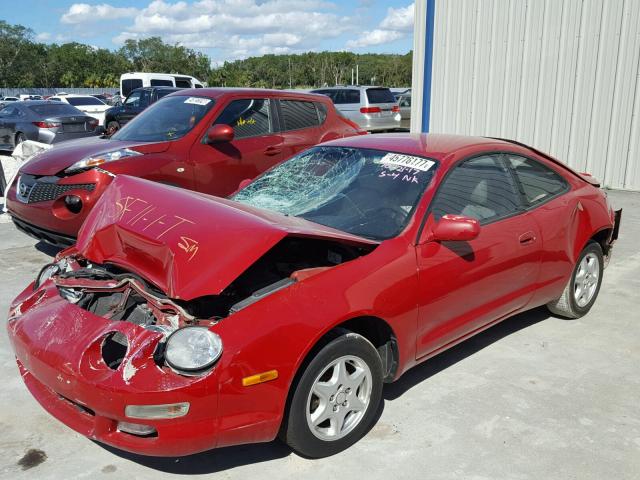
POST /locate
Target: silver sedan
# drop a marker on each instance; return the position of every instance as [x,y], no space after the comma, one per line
[43,121]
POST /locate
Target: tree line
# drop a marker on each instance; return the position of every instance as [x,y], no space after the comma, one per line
[26,63]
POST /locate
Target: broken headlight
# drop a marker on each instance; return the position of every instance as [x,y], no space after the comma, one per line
[192,349]
[45,274]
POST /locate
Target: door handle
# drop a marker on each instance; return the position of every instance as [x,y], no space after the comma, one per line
[527,238]
[272,151]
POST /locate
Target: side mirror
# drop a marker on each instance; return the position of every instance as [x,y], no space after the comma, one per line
[219,134]
[244,183]
[456,228]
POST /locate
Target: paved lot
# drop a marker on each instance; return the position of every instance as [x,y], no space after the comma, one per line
[533,398]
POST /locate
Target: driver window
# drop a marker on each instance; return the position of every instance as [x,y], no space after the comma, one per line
[133,100]
[249,117]
[481,188]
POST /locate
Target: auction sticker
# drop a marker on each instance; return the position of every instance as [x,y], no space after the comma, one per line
[197,100]
[409,161]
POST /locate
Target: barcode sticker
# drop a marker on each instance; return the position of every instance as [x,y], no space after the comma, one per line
[197,100]
[409,161]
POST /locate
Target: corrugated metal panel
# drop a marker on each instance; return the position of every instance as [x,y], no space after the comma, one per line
[563,76]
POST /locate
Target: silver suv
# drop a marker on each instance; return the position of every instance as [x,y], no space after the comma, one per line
[373,108]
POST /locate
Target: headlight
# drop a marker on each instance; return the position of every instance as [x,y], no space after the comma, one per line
[45,274]
[191,349]
[96,160]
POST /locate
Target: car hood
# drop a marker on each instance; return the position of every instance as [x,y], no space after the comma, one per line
[63,155]
[187,244]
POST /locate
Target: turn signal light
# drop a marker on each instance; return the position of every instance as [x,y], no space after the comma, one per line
[395,109]
[259,378]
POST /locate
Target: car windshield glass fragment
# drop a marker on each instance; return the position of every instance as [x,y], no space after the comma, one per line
[167,119]
[366,192]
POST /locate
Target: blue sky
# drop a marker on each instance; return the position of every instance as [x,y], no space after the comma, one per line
[225,29]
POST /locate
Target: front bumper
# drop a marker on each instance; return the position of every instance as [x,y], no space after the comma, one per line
[50,220]
[58,351]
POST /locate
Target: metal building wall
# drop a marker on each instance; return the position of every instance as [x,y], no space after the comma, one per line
[561,75]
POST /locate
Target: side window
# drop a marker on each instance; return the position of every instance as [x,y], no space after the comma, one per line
[8,112]
[249,117]
[130,84]
[352,96]
[481,188]
[298,114]
[133,100]
[183,83]
[145,98]
[156,82]
[539,183]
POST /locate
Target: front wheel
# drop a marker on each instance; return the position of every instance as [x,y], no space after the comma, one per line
[336,398]
[584,285]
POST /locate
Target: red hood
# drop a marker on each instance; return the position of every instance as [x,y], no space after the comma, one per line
[186,243]
[65,154]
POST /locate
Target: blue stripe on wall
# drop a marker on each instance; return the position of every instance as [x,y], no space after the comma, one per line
[428,64]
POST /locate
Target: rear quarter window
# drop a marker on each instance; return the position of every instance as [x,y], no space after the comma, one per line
[538,182]
[298,114]
[155,82]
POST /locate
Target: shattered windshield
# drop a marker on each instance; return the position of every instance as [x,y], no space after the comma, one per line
[167,119]
[371,193]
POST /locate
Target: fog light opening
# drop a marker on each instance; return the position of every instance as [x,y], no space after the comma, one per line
[137,429]
[73,203]
[114,349]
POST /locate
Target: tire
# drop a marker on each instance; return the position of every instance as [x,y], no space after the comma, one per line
[19,138]
[584,285]
[346,376]
[112,127]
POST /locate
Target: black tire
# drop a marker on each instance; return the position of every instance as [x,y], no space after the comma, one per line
[20,138]
[568,305]
[112,127]
[296,431]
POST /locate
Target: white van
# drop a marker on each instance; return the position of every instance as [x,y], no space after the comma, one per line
[130,81]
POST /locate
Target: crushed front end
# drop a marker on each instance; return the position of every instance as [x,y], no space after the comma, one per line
[90,343]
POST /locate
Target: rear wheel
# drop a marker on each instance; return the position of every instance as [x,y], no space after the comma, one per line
[336,399]
[584,285]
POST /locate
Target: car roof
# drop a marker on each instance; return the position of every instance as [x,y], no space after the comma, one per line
[432,145]
[218,92]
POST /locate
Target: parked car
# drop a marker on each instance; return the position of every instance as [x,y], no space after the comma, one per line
[29,96]
[404,102]
[43,121]
[181,322]
[206,140]
[373,108]
[131,81]
[136,102]
[6,100]
[87,103]
[400,91]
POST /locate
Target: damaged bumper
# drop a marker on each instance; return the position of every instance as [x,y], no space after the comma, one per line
[60,352]
[617,217]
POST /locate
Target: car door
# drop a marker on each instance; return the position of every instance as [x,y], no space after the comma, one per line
[464,286]
[131,107]
[9,116]
[5,129]
[555,213]
[257,145]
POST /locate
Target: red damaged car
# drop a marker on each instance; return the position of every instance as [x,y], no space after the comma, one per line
[207,140]
[181,322]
